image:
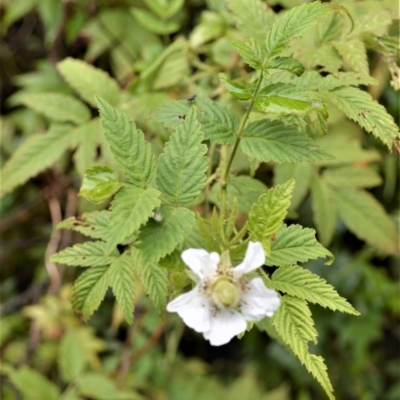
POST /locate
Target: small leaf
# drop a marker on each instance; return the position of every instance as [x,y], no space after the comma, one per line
[159,238]
[130,209]
[296,244]
[286,64]
[86,254]
[99,183]
[267,215]
[237,90]
[71,357]
[182,166]
[129,148]
[287,99]
[218,124]
[267,140]
[58,107]
[305,285]
[89,81]
[252,52]
[99,387]
[122,281]
[89,290]
[94,224]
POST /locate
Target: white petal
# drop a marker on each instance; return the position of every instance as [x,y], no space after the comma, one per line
[254,258]
[225,324]
[257,301]
[194,308]
[201,262]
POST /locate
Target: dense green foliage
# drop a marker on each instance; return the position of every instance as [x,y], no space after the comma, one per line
[149,127]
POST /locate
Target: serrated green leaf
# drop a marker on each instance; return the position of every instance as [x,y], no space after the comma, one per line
[254,17]
[218,124]
[130,209]
[58,107]
[360,107]
[237,90]
[89,81]
[267,140]
[367,219]
[159,238]
[182,166]
[173,113]
[94,224]
[324,210]
[99,183]
[325,58]
[34,155]
[296,244]
[352,176]
[286,64]
[128,146]
[89,290]
[286,98]
[33,385]
[164,9]
[345,79]
[71,356]
[305,285]
[121,278]
[354,55]
[295,326]
[153,23]
[88,254]
[155,282]
[267,215]
[290,28]
[251,51]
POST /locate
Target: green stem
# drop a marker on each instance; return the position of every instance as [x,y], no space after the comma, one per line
[236,145]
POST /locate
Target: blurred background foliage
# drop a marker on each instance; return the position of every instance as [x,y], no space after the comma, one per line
[158,50]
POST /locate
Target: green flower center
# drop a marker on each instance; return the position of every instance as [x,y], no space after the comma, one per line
[225,292]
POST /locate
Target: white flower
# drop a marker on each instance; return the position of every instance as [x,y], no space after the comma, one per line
[223,299]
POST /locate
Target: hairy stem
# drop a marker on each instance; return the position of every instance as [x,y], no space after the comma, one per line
[239,133]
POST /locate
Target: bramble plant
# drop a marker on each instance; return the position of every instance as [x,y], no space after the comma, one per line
[186,202]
